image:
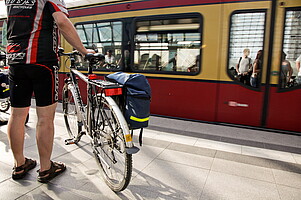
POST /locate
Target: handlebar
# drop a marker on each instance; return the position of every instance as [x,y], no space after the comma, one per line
[92,58]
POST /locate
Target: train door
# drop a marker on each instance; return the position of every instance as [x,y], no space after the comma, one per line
[245,40]
[284,99]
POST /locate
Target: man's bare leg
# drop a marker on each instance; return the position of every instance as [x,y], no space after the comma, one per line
[45,134]
[16,131]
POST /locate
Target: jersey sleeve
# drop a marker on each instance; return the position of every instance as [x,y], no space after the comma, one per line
[58,5]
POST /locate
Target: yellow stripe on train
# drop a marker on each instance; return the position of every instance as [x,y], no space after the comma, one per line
[139,119]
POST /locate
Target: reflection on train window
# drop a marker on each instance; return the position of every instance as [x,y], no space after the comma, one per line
[246,47]
[107,37]
[0,38]
[169,45]
[290,70]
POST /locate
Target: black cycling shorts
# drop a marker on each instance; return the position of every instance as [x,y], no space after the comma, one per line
[38,79]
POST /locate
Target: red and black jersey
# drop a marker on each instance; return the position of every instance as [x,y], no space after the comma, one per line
[32,34]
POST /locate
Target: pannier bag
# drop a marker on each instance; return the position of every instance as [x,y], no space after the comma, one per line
[137,99]
[4,86]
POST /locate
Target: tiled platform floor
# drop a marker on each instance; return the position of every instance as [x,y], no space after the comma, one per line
[179,160]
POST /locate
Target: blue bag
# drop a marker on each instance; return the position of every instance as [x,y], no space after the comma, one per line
[137,99]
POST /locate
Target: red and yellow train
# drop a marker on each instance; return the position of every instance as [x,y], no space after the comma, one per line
[189,50]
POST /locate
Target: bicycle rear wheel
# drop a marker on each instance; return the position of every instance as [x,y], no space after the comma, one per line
[70,110]
[109,144]
[4,105]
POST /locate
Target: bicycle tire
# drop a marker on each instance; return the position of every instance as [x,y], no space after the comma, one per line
[27,118]
[4,106]
[107,148]
[70,111]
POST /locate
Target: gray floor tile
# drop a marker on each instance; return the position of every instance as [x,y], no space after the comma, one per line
[97,189]
[5,171]
[171,179]
[137,193]
[144,157]
[192,149]
[186,159]
[287,178]
[13,189]
[50,191]
[262,162]
[220,186]
[297,158]
[155,142]
[221,146]
[289,193]
[243,170]
[6,153]
[285,166]
[269,154]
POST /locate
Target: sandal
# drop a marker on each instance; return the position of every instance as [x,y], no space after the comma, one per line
[23,169]
[56,168]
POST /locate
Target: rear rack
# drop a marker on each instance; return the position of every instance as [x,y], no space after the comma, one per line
[105,84]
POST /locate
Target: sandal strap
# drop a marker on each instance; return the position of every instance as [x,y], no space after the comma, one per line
[53,167]
[28,161]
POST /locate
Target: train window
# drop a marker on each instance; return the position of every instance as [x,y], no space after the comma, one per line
[168,45]
[107,37]
[290,70]
[246,47]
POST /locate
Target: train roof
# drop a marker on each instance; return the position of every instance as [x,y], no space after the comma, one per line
[70,4]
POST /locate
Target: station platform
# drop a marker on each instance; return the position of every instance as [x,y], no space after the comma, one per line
[178,160]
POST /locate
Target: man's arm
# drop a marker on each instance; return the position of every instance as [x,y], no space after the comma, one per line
[69,32]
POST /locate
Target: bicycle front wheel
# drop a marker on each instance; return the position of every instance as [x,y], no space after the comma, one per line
[70,110]
[109,144]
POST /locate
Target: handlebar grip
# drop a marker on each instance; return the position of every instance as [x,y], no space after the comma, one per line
[94,57]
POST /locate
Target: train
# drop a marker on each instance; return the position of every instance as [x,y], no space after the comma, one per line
[191,50]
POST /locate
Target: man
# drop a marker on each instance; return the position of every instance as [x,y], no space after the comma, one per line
[174,63]
[244,67]
[109,58]
[32,55]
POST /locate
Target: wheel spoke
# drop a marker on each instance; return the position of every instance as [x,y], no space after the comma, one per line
[109,147]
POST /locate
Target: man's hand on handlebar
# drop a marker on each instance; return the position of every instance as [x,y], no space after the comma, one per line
[89,51]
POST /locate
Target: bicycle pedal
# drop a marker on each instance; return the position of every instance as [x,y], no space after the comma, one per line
[69,141]
[132,150]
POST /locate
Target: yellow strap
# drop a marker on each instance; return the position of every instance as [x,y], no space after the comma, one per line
[139,119]
[6,90]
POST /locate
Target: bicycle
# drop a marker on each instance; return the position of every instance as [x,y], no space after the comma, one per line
[4,97]
[101,120]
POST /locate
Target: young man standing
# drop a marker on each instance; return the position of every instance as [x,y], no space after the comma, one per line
[33,37]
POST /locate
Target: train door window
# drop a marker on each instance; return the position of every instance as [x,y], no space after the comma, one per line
[107,37]
[290,70]
[168,44]
[246,42]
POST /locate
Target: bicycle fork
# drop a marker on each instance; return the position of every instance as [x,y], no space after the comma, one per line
[73,88]
[130,148]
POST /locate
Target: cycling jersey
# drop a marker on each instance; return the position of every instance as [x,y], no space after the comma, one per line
[31,30]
